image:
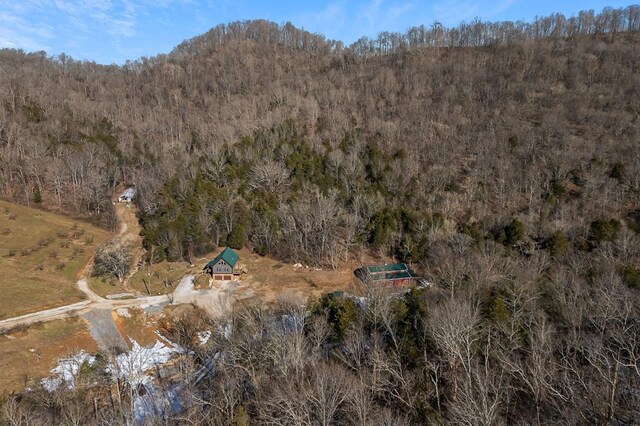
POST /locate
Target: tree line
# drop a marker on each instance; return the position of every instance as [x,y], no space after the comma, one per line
[479,33]
[506,347]
[466,34]
[318,157]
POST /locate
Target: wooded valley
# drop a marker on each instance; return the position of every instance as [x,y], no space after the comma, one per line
[500,160]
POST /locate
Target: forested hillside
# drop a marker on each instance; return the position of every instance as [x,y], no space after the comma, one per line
[499,159]
[259,134]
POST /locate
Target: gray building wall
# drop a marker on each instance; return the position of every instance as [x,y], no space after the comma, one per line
[221,267]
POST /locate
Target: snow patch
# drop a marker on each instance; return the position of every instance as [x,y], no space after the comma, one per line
[132,366]
[225,330]
[123,312]
[362,302]
[228,330]
[203,337]
[67,370]
[154,309]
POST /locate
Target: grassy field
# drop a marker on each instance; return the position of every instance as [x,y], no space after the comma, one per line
[27,356]
[41,257]
[161,278]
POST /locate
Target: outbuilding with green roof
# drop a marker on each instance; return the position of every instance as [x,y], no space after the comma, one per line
[396,274]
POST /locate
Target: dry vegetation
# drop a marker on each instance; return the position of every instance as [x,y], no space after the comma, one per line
[162,277]
[27,356]
[500,159]
[136,324]
[327,149]
[267,278]
[41,257]
[271,280]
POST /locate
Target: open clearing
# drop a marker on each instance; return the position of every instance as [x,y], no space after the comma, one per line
[267,278]
[136,324]
[26,356]
[271,280]
[29,354]
[42,255]
[44,262]
[129,237]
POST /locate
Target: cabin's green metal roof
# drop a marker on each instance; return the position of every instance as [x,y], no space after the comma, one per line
[390,276]
[395,271]
[227,255]
[387,268]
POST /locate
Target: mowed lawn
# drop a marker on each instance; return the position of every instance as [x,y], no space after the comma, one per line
[42,255]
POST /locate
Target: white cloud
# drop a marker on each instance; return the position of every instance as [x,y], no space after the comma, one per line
[330,20]
[453,12]
[9,39]
[166,3]
[116,17]
[24,6]
[122,27]
[401,10]
[349,20]
[16,32]
[79,27]
[79,24]
[371,13]
[382,15]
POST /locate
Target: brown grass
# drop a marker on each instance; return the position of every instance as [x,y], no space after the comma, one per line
[27,356]
[271,280]
[157,275]
[267,278]
[140,326]
[41,257]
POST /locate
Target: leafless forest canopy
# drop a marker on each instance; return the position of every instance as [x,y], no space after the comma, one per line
[500,159]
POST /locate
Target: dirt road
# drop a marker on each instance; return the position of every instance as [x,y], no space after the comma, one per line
[80,308]
[83,286]
[128,236]
[46,315]
[214,301]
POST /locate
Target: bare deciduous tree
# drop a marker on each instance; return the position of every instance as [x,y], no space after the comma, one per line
[111,260]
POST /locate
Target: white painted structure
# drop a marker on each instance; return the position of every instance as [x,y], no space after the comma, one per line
[127,195]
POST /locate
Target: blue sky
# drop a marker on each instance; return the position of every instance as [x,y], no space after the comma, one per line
[112,31]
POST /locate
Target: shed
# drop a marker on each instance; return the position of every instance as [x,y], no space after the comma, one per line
[396,274]
[223,266]
[127,195]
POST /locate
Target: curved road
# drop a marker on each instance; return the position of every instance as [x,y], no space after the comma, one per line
[211,300]
[79,308]
[214,301]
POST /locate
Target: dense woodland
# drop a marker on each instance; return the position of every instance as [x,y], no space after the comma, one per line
[499,159]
